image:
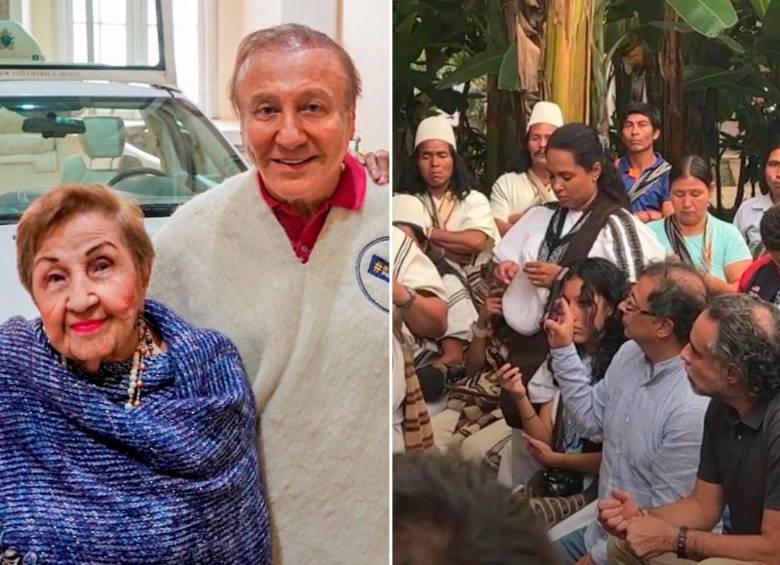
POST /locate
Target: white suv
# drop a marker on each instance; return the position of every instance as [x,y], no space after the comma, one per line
[58,125]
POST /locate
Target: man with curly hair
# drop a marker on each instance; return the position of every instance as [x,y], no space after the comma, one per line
[733,357]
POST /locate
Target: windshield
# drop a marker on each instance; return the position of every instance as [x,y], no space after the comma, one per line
[158,151]
[82,33]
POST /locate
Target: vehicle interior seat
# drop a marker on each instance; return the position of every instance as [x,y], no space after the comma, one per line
[27,159]
[103,142]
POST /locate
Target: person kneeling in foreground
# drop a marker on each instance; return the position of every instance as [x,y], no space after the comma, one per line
[127,435]
[447,511]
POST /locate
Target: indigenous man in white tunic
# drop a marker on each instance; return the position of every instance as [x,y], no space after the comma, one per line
[290,259]
[461,224]
[515,192]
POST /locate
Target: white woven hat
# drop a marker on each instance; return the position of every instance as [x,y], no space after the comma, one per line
[546,113]
[410,210]
[435,127]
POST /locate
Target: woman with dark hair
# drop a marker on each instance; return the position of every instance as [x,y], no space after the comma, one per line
[590,219]
[593,288]
[694,235]
[749,213]
[462,224]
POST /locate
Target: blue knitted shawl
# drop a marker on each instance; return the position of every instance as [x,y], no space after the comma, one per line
[174,480]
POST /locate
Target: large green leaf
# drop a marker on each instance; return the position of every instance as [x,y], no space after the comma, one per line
[760,7]
[507,73]
[485,63]
[708,17]
[732,44]
[697,77]
[682,27]
[449,101]
[770,28]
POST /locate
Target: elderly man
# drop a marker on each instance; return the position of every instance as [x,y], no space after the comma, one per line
[515,192]
[644,409]
[734,357]
[290,260]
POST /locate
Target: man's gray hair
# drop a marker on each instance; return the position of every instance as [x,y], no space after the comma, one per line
[287,38]
[748,340]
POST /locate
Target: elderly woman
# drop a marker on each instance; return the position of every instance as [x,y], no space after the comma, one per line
[697,237]
[127,435]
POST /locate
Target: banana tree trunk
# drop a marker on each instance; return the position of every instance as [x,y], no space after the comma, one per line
[671,70]
[568,56]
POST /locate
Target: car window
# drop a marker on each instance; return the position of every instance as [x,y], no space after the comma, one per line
[159,151]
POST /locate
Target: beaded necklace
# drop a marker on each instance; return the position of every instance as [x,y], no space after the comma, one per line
[144,348]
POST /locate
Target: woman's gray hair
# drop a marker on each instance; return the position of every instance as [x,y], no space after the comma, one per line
[748,340]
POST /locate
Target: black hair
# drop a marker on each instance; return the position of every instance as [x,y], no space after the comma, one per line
[681,296]
[770,229]
[601,277]
[774,143]
[645,109]
[447,511]
[419,233]
[748,340]
[462,182]
[583,143]
[520,161]
[692,166]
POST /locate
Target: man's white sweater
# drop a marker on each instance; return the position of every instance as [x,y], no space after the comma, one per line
[314,340]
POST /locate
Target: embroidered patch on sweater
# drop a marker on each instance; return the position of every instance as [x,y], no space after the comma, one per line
[379,268]
[373,272]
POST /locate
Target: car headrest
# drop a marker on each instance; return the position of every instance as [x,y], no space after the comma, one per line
[104,136]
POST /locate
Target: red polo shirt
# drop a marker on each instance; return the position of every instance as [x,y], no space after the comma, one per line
[349,194]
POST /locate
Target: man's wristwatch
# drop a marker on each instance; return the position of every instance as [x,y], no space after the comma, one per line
[409,301]
[682,535]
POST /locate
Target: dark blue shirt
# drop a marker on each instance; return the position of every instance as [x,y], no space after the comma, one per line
[655,195]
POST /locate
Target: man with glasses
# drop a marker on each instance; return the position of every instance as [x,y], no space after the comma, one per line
[644,409]
[733,357]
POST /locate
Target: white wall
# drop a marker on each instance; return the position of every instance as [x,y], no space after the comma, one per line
[365,33]
[363,29]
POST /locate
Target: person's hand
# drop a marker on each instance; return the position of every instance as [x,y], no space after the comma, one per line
[505,271]
[541,273]
[585,560]
[511,380]
[560,325]
[490,307]
[615,512]
[512,219]
[648,215]
[400,293]
[648,537]
[541,451]
[377,165]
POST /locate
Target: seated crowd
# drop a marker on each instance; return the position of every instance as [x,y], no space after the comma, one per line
[592,335]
